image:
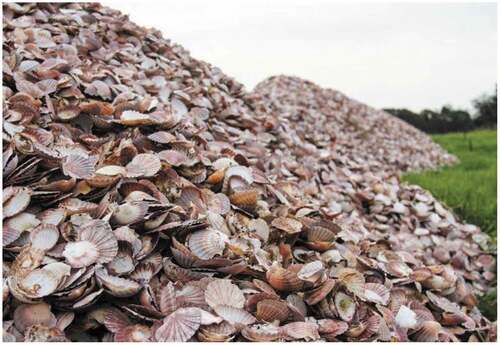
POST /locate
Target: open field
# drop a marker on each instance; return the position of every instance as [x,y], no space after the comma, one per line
[470,187]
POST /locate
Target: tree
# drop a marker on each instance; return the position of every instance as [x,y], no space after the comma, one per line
[486,110]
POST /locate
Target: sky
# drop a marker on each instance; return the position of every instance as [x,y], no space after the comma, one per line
[412,55]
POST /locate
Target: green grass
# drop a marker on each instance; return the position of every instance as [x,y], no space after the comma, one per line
[470,187]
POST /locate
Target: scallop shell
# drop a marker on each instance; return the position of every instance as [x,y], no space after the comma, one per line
[216,177]
[38,283]
[167,299]
[96,243]
[68,112]
[191,196]
[115,286]
[237,177]
[38,135]
[133,333]
[179,326]
[283,280]
[18,201]
[235,316]
[246,199]
[102,181]
[223,292]
[44,237]
[428,332]
[74,206]
[27,315]
[96,108]
[323,232]
[191,296]
[406,318]
[122,263]
[219,203]
[315,296]
[64,319]
[300,330]
[270,310]
[261,332]
[60,270]
[206,244]
[111,170]
[345,306]
[79,167]
[13,227]
[54,216]
[311,271]
[443,303]
[221,332]
[114,319]
[162,137]
[173,157]
[143,164]
[332,328]
[288,225]
[376,293]
[297,307]
[352,280]
[130,212]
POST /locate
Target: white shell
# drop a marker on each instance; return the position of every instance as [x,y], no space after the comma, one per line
[206,244]
[406,318]
[223,292]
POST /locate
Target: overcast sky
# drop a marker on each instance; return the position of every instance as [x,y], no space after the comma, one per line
[414,55]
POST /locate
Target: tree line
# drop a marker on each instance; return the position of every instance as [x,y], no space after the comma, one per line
[449,119]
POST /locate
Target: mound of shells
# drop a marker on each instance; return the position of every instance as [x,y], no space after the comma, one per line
[147,197]
[326,118]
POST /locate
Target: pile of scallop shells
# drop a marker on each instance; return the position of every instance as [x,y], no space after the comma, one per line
[326,118]
[148,197]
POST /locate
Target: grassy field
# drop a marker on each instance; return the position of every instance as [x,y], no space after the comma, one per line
[470,187]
